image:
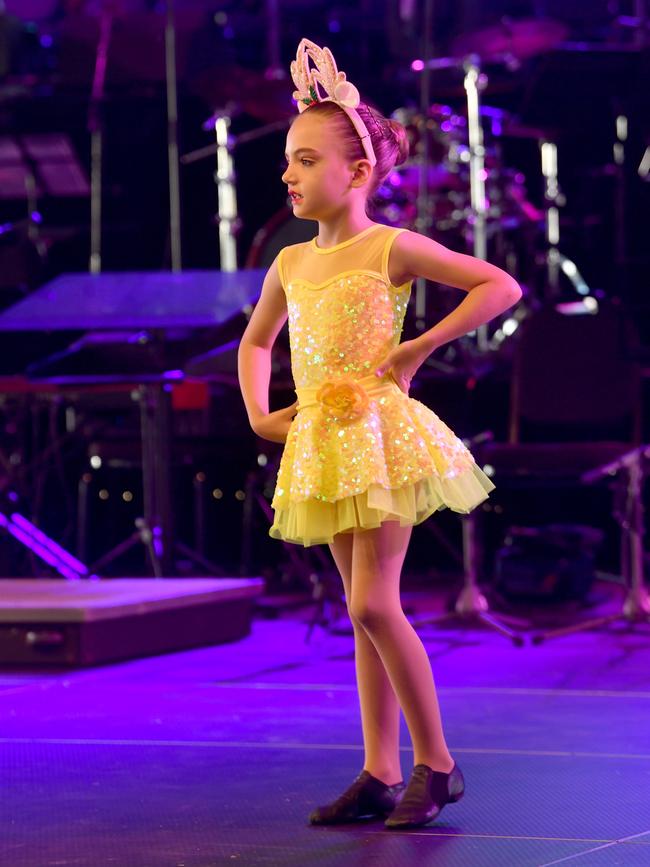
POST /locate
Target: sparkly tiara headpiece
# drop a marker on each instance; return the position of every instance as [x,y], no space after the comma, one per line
[326,76]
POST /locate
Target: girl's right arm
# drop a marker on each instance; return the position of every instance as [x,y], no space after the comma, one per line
[254,360]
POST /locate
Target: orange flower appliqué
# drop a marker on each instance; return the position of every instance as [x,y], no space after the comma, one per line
[344,399]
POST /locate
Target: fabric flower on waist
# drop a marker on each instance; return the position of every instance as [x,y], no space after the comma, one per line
[344,399]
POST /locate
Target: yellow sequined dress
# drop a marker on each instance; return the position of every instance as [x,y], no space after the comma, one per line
[359,451]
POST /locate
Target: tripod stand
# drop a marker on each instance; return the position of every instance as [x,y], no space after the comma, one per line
[636,605]
[312,566]
[471,608]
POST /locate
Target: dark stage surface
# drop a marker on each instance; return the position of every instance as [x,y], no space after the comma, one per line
[217,756]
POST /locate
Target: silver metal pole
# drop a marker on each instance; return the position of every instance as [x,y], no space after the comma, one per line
[478,202]
[95,261]
[227,195]
[552,198]
[423,218]
[476,158]
[275,68]
[637,603]
[96,128]
[172,139]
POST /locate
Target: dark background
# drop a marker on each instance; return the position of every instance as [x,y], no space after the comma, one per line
[47,52]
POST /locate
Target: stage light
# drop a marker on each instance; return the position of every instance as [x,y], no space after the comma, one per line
[510,326]
[417,65]
[488,469]
[127,496]
[262,460]
[103,494]
[95,462]
[240,495]
[217,493]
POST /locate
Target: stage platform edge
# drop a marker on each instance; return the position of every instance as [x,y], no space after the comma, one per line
[60,623]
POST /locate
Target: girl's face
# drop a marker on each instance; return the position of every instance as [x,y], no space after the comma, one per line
[321,182]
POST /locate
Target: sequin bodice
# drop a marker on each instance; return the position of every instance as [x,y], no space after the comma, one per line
[343,328]
[343,320]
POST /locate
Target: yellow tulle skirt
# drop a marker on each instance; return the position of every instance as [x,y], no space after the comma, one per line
[389,459]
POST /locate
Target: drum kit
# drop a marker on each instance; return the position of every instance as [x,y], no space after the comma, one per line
[455,186]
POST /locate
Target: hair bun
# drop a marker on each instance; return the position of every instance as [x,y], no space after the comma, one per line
[398,132]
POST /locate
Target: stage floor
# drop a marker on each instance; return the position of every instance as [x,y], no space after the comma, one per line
[216,756]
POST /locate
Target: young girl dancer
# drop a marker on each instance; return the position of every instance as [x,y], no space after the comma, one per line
[363,462]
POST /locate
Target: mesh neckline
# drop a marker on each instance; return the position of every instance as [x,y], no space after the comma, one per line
[352,240]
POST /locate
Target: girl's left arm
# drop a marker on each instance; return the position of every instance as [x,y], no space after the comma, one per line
[489,290]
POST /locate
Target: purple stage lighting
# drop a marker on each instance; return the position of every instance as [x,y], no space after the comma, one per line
[67,559]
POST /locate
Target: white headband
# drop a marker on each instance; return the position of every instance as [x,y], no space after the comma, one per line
[339,91]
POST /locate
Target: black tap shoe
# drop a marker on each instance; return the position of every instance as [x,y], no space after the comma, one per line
[426,794]
[367,796]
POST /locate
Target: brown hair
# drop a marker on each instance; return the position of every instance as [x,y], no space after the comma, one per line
[389,139]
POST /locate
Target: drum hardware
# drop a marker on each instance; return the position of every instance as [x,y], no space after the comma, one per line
[471,606]
[496,202]
[620,210]
[638,25]
[171,81]
[96,130]
[227,213]
[155,528]
[264,96]
[311,565]
[553,200]
[226,196]
[21,488]
[275,69]
[511,41]
[629,472]
[476,228]
[423,219]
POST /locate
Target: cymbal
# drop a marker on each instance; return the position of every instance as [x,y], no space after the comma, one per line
[136,51]
[514,129]
[265,99]
[511,39]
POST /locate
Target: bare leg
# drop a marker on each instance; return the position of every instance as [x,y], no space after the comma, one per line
[377,558]
[379,706]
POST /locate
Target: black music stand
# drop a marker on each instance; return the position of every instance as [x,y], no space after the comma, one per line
[140,310]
